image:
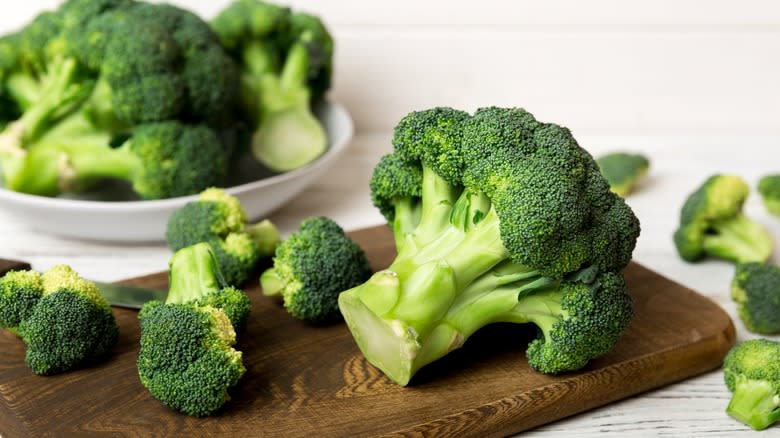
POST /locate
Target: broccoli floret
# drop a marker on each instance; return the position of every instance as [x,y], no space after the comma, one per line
[623,170]
[187,358]
[219,219]
[712,223]
[769,188]
[312,266]
[756,290]
[102,72]
[498,218]
[751,370]
[62,318]
[286,64]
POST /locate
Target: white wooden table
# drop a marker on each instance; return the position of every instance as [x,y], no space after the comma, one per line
[692,84]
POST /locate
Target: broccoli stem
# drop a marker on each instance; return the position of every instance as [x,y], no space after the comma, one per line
[265,235]
[754,403]
[405,220]
[739,239]
[288,135]
[271,283]
[193,274]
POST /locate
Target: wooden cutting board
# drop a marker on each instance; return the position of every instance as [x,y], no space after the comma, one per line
[312,381]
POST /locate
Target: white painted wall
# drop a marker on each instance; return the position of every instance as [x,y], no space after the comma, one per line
[602,67]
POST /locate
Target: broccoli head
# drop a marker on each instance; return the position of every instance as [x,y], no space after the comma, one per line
[286,63]
[751,370]
[62,318]
[187,359]
[623,170]
[312,266]
[497,217]
[712,223]
[756,290]
[218,219]
[769,188]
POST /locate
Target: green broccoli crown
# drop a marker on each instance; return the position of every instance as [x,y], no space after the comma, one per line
[623,170]
[219,219]
[497,217]
[751,371]
[587,320]
[244,21]
[769,188]
[187,359]
[20,291]
[312,266]
[313,34]
[62,318]
[756,290]
[712,223]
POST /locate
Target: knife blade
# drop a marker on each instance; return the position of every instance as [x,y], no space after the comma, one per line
[120,295]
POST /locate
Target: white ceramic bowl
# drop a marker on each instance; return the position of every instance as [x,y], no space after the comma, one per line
[145,221]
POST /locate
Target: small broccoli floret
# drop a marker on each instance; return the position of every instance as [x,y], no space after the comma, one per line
[219,219]
[756,290]
[623,170]
[311,268]
[752,373]
[286,64]
[497,218]
[62,318]
[769,188]
[712,223]
[187,359]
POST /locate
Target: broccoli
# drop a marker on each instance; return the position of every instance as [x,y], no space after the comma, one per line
[751,370]
[219,219]
[756,290]
[623,170]
[769,188]
[286,64]
[311,267]
[187,359]
[62,318]
[509,220]
[118,89]
[712,223]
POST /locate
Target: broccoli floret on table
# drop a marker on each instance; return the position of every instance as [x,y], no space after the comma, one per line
[712,223]
[219,219]
[187,358]
[623,170]
[756,290]
[62,318]
[751,370]
[311,267]
[497,218]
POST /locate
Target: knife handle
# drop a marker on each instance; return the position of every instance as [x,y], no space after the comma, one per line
[12,265]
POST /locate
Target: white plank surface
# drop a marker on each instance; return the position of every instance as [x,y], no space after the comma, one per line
[692,84]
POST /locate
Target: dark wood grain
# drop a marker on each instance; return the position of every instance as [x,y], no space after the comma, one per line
[313,381]
[12,265]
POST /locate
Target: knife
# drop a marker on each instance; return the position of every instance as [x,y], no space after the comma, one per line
[120,295]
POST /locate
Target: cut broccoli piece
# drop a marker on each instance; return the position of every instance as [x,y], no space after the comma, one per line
[712,223]
[623,170]
[219,219]
[311,268]
[497,218]
[286,64]
[756,290]
[187,359]
[769,188]
[62,318]
[751,370]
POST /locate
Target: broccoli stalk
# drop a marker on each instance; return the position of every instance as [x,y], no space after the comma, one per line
[475,245]
[187,359]
[752,374]
[288,135]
